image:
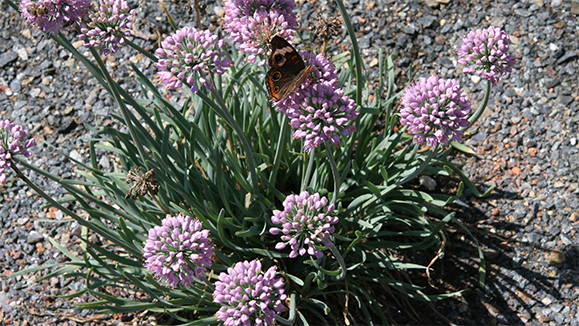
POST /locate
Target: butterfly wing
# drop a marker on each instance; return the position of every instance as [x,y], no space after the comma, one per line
[287,72]
[280,82]
[283,53]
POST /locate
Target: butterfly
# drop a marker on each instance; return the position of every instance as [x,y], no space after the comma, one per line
[287,71]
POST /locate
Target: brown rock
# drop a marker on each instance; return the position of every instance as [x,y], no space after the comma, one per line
[551,72]
[557,257]
[16,255]
[545,319]
[490,253]
[516,170]
[40,248]
[523,295]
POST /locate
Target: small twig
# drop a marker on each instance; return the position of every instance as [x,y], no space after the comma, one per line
[197,11]
[434,260]
[347,298]
[144,36]
[144,22]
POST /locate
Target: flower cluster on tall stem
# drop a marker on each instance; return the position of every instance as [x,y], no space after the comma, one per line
[318,109]
[13,141]
[252,23]
[178,250]
[107,25]
[485,52]
[188,56]
[249,296]
[52,16]
[434,110]
[305,222]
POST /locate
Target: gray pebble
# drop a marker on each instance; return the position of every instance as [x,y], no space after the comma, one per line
[34,237]
[7,57]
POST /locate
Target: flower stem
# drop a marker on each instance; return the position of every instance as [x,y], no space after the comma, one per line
[307,175]
[481,107]
[278,152]
[335,171]
[159,203]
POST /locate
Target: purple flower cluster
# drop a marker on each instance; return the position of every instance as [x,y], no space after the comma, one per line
[178,250]
[485,52]
[107,25]
[305,221]
[252,23]
[187,55]
[319,110]
[12,142]
[52,16]
[434,110]
[248,296]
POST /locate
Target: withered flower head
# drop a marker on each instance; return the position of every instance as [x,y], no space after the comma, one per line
[144,184]
[327,27]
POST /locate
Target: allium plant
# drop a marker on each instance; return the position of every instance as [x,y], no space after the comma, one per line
[485,52]
[249,296]
[189,56]
[305,222]
[252,23]
[178,250]
[435,109]
[107,25]
[52,16]
[318,109]
[232,161]
[13,141]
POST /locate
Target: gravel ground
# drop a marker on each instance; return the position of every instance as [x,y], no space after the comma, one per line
[526,145]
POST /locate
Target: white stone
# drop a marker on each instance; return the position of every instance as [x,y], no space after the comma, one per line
[219,11]
[35,92]
[22,54]
[78,44]
[75,155]
[427,182]
[475,79]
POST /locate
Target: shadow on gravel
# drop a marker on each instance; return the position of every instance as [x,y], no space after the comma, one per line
[511,288]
